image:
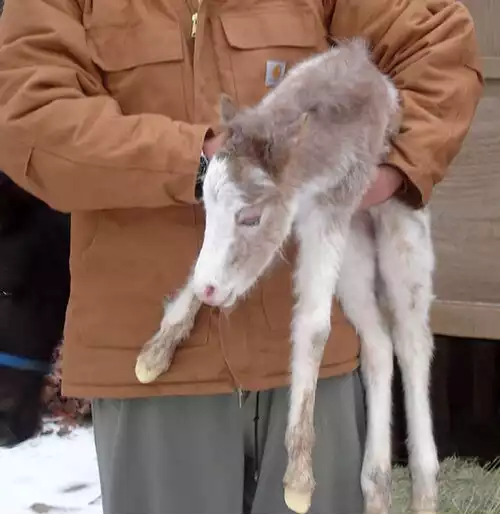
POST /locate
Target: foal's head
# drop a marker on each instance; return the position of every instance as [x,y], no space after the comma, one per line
[324,126]
[250,204]
[34,289]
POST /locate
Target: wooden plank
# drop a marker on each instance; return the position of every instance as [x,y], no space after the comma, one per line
[491,67]
[486,14]
[466,214]
[466,319]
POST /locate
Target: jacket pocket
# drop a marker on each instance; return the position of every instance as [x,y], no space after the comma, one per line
[263,45]
[142,65]
[134,259]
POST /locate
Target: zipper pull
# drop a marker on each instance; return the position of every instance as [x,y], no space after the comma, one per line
[194,24]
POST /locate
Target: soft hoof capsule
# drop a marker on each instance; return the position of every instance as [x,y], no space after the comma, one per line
[296,501]
[144,374]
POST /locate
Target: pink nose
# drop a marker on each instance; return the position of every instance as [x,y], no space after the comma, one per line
[209,291]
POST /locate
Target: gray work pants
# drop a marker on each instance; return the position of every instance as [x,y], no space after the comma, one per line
[226,455]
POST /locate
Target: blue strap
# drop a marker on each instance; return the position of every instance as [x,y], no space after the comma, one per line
[23,363]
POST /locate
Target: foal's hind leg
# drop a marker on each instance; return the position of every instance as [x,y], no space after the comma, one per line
[406,263]
[356,293]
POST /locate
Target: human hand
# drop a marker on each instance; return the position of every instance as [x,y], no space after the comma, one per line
[212,144]
[387,182]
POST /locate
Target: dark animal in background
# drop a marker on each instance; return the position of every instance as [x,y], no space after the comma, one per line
[34,291]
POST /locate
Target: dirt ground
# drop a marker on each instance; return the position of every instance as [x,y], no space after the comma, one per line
[465,488]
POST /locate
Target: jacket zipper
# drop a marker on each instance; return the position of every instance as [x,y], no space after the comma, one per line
[194,20]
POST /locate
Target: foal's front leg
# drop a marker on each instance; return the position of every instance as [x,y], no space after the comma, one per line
[322,240]
[178,320]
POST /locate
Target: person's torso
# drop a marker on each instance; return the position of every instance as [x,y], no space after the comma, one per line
[125,261]
[151,63]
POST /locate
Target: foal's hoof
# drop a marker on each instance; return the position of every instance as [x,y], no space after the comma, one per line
[297,501]
[155,356]
[144,373]
[151,362]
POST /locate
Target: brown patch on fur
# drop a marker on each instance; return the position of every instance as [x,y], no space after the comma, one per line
[404,247]
[415,291]
[159,351]
[381,499]
[300,442]
[301,438]
[255,148]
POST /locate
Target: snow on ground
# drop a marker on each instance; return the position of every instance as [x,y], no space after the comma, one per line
[51,474]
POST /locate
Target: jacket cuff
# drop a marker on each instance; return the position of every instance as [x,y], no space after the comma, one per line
[416,189]
[188,193]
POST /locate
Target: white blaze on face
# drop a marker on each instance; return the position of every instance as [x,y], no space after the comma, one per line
[240,239]
[222,202]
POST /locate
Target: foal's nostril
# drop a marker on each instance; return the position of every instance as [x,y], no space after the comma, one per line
[209,291]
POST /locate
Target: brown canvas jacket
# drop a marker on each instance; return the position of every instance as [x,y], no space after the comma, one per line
[104,106]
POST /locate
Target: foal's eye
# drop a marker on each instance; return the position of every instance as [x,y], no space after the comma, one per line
[249,222]
[249,216]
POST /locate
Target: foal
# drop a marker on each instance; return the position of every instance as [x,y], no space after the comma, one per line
[299,163]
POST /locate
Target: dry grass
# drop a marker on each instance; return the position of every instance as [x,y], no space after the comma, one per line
[465,488]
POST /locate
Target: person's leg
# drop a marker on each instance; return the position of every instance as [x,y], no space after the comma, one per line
[337,455]
[173,455]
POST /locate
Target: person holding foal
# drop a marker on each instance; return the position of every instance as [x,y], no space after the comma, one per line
[110,112]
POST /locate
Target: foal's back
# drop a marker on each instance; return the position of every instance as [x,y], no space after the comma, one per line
[345,109]
[339,86]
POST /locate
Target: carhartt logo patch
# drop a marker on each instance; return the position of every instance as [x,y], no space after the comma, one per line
[275,71]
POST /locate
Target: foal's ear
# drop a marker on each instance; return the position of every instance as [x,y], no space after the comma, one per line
[227,109]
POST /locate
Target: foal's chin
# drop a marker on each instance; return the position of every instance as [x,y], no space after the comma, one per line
[244,289]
